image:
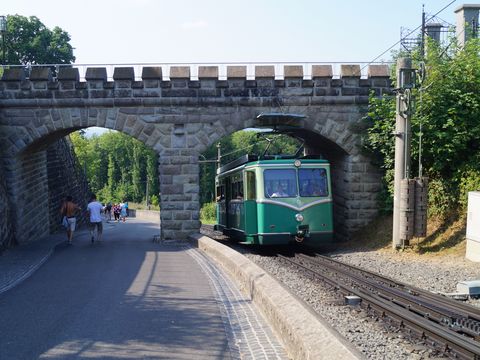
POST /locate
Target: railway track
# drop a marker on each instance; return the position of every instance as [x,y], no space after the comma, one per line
[449,327]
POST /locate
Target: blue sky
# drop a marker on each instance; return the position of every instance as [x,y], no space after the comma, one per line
[198,31]
[220,31]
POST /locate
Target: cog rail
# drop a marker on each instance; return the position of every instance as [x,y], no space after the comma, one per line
[447,326]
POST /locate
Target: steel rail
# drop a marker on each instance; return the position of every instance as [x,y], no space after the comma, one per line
[460,317]
[466,310]
[435,335]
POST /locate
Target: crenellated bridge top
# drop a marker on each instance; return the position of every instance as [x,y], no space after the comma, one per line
[69,85]
[249,71]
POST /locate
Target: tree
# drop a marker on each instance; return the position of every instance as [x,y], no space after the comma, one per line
[118,166]
[447,112]
[29,40]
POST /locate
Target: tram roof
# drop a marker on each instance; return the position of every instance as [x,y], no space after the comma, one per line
[266,159]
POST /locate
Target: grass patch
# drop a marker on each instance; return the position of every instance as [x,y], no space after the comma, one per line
[445,237]
[142,206]
[208,213]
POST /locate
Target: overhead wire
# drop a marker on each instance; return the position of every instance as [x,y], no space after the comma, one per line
[410,33]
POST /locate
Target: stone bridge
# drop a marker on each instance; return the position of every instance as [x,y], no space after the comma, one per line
[179,118]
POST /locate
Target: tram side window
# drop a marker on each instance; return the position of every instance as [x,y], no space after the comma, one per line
[280,183]
[251,186]
[313,182]
[220,192]
[237,190]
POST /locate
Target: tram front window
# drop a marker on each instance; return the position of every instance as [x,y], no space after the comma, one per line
[280,183]
[313,182]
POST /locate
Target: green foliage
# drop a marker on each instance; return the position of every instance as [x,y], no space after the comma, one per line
[154,200]
[380,143]
[441,197]
[469,180]
[446,116]
[207,213]
[29,40]
[117,166]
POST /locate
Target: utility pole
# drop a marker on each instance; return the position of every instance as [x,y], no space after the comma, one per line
[219,156]
[3,31]
[146,194]
[405,82]
[422,37]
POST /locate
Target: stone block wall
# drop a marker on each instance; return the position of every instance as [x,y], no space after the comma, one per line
[65,177]
[356,185]
[7,236]
[34,186]
[30,186]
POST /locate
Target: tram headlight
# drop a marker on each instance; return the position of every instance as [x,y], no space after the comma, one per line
[299,217]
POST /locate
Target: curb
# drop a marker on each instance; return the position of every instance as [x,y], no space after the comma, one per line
[30,270]
[304,333]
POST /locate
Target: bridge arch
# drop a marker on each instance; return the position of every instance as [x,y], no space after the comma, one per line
[181,117]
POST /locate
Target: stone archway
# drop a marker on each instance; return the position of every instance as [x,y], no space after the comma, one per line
[180,117]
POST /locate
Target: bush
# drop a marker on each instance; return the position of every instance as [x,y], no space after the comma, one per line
[208,213]
[441,197]
[469,181]
[154,200]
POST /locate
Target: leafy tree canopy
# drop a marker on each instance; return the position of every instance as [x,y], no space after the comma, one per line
[118,166]
[445,118]
[28,40]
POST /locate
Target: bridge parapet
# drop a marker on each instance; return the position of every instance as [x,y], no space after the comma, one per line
[268,81]
[221,72]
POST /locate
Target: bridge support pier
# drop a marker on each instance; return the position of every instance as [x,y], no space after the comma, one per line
[179,193]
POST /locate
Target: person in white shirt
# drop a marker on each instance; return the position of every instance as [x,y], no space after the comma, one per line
[94,210]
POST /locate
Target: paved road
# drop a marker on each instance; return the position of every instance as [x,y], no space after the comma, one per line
[122,298]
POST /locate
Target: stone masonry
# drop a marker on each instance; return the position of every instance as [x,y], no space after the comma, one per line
[179,118]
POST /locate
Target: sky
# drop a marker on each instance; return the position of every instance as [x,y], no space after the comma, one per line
[107,32]
[222,31]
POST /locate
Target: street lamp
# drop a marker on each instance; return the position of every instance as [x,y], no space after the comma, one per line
[3,30]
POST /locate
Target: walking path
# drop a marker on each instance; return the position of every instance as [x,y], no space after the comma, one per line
[249,335]
[19,263]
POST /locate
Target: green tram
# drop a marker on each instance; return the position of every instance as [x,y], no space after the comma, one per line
[275,200]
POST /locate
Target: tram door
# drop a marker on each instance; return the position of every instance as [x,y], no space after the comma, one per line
[228,198]
[250,202]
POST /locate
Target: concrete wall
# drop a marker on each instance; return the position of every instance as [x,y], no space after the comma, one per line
[149,215]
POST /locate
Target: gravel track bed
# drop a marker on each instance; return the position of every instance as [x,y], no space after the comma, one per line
[370,336]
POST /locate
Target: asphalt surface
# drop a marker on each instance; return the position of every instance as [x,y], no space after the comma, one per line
[122,298]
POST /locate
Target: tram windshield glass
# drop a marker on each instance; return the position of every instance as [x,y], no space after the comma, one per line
[280,183]
[313,182]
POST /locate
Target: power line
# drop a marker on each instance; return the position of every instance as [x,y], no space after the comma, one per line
[410,33]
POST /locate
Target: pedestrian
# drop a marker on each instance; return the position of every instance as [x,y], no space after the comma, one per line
[68,210]
[116,212]
[94,210]
[123,210]
[108,210]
